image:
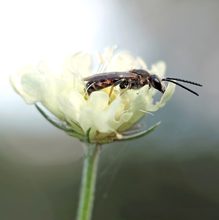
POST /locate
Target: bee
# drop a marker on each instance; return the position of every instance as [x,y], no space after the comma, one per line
[133,79]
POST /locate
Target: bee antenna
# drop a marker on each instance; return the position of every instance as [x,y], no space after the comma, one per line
[185,81]
[178,84]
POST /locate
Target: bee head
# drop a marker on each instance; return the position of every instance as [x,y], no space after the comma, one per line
[156,83]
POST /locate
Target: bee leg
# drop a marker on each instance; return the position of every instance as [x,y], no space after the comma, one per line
[115,84]
[89,88]
[149,85]
[125,85]
[111,90]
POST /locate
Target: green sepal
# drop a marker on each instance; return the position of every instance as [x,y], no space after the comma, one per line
[87,136]
[139,134]
[59,125]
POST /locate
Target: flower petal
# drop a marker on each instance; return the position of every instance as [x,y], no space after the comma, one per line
[124,61]
[158,69]
[164,99]
[78,64]
[93,113]
[117,114]
[29,83]
[70,103]
[98,100]
[135,101]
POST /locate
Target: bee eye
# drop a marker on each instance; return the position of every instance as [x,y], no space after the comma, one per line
[155,81]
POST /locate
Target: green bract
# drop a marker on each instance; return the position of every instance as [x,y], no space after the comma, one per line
[97,118]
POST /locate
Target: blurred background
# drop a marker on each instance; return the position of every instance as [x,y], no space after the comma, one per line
[170,174]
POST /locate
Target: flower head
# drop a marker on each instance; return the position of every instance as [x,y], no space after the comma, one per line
[104,115]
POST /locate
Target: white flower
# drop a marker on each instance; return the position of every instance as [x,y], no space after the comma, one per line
[104,117]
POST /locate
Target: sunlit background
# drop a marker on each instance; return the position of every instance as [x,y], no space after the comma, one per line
[171,174]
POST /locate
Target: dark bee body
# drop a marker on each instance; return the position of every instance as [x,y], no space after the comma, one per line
[133,79]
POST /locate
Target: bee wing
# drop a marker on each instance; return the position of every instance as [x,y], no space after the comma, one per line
[109,75]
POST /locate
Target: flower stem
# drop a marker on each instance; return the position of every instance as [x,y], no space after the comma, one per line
[88,182]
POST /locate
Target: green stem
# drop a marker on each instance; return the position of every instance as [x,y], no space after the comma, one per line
[89,175]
